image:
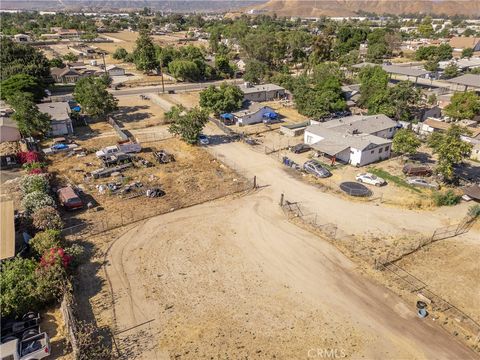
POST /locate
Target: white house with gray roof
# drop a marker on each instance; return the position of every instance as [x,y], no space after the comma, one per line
[265,92]
[357,140]
[59,112]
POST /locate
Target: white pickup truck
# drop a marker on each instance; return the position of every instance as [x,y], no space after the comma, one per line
[33,348]
[120,148]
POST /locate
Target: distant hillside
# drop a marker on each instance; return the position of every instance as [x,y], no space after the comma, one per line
[315,8]
[124,5]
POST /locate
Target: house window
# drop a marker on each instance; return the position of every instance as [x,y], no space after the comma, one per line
[390,130]
[373,151]
[309,139]
[380,150]
[387,147]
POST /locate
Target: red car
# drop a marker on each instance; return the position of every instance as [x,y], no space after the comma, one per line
[69,199]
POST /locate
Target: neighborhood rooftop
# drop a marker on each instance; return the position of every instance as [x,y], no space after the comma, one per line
[361,124]
[57,110]
[467,80]
[265,87]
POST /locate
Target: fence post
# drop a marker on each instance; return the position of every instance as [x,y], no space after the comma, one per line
[255,182]
[281,199]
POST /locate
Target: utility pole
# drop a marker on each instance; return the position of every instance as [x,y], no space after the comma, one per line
[161,71]
[104,65]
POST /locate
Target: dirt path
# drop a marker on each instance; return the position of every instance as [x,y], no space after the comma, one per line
[234,279]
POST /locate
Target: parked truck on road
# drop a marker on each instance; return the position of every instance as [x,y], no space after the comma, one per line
[120,148]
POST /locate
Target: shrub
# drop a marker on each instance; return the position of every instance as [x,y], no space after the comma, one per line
[34,167]
[26,157]
[47,218]
[52,274]
[31,183]
[44,241]
[448,198]
[474,211]
[76,253]
[36,200]
[18,287]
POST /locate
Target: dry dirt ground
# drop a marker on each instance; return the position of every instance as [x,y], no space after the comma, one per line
[234,279]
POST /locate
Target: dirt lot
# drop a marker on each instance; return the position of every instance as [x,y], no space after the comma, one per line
[194,177]
[136,113]
[251,285]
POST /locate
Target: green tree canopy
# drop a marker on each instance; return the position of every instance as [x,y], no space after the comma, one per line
[464,105]
[31,122]
[467,53]
[255,71]
[184,70]
[91,93]
[188,124]
[405,142]
[21,83]
[225,98]
[57,62]
[451,71]
[450,148]
[144,55]
[120,54]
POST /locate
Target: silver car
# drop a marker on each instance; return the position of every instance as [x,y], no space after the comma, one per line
[420,182]
[315,168]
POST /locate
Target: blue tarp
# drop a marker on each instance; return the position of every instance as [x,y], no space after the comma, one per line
[227,116]
[270,115]
[76,108]
[59,146]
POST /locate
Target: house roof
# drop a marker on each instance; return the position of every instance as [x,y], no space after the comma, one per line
[405,70]
[253,108]
[59,72]
[464,42]
[259,88]
[467,80]
[7,231]
[442,125]
[111,67]
[8,122]
[361,124]
[59,111]
[472,191]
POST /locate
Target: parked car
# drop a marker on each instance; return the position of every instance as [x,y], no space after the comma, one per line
[22,328]
[120,148]
[69,199]
[33,348]
[423,183]
[315,168]
[370,179]
[203,139]
[417,170]
[300,148]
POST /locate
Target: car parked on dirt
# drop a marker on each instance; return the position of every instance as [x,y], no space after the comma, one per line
[300,148]
[203,139]
[370,179]
[423,183]
[315,168]
[69,199]
[417,170]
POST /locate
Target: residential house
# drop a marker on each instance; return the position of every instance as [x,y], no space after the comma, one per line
[357,140]
[66,75]
[61,123]
[252,115]
[467,82]
[266,92]
[22,38]
[114,70]
[459,43]
[8,130]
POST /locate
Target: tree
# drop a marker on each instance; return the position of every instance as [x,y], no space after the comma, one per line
[21,83]
[45,240]
[425,29]
[187,124]
[91,92]
[450,71]
[405,142]
[144,54]
[18,287]
[70,57]
[373,80]
[431,65]
[120,54]
[57,62]
[321,49]
[467,53]
[18,58]
[403,97]
[255,71]
[31,122]
[184,70]
[222,64]
[225,98]
[47,218]
[444,52]
[450,148]
[464,105]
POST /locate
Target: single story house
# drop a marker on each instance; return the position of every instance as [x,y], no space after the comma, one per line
[8,130]
[22,38]
[459,43]
[266,92]
[60,113]
[66,75]
[357,140]
[252,115]
[114,70]
[7,230]
[467,81]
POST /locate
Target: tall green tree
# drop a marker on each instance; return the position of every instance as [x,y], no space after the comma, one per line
[21,83]
[373,81]
[451,71]
[91,93]
[255,71]
[467,53]
[225,98]
[184,70]
[31,122]
[450,149]
[144,55]
[405,142]
[464,105]
[188,124]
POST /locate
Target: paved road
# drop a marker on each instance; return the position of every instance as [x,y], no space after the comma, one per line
[181,87]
